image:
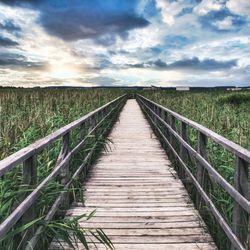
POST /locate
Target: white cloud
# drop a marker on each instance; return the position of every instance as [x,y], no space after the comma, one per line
[224,24]
[239,7]
[208,5]
[168,11]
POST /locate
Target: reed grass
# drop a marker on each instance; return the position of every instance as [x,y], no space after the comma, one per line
[225,113]
[26,116]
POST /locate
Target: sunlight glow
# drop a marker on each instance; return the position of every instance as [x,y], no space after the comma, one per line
[62,72]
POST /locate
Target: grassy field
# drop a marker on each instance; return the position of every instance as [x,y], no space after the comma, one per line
[27,115]
[225,113]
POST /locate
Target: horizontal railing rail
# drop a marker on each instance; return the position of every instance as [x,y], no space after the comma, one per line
[88,124]
[164,121]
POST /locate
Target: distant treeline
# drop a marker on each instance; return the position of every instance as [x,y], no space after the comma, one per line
[131,87]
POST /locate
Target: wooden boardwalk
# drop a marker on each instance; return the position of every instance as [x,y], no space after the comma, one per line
[140,202]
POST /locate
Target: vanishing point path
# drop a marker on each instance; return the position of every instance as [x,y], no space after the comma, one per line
[140,202]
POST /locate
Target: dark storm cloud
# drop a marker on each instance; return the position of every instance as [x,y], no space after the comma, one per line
[83,19]
[17,61]
[9,26]
[208,21]
[73,25]
[207,64]
[7,42]
[187,64]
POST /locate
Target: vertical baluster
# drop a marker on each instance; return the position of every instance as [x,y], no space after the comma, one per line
[154,108]
[172,124]
[83,134]
[65,149]
[82,131]
[166,120]
[202,141]
[241,221]
[183,152]
[29,181]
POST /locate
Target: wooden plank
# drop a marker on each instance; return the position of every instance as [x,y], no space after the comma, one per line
[157,239]
[134,214]
[133,204]
[151,232]
[118,199]
[142,219]
[143,246]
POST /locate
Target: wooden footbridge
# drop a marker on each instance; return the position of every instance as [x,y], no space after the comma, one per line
[139,199]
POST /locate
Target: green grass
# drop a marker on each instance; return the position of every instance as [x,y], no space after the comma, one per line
[29,115]
[225,113]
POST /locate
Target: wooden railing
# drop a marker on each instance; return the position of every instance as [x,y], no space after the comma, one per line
[26,210]
[164,121]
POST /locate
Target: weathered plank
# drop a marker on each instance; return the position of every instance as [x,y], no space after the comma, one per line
[143,246]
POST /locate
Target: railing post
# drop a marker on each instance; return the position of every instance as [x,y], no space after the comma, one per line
[83,133]
[183,152]
[241,223]
[202,141]
[29,181]
[155,112]
[65,149]
[172,124]
[166,120]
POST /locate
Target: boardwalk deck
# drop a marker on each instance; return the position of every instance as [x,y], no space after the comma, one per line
[140,202]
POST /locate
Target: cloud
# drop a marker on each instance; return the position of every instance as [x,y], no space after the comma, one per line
[169,9]
[187,64]
[7,42]
[96,19]
[177,41]
[222,21]
[9,26]
[239,7]
[185,11]
[206,64]
[103,81]
[206,6]
[16,61]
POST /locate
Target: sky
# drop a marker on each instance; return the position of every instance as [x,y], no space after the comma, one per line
[92,43]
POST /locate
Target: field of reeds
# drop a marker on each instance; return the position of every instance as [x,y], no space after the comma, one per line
[226,113]
[27,115]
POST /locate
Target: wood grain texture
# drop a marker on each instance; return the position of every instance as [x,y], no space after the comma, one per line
[140,202]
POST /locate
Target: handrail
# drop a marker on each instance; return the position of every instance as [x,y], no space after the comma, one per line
[20,156]
[158,114]
[28,156]
[229,145]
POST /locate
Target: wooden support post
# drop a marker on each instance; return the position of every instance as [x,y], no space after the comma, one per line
[183,151]
[83,134]
[166,120]
[202,141]
[241,222]
[82,131]
[172,124]
[65,149]
[155,112]
[29,181]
